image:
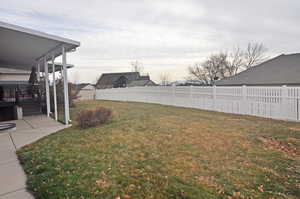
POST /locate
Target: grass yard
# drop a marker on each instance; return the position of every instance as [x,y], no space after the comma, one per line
[154,151]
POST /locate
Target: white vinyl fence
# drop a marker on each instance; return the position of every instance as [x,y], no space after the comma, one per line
[270,102]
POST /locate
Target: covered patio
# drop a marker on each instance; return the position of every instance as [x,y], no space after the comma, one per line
[23,48]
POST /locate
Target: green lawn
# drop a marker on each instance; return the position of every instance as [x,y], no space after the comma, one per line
[154,151]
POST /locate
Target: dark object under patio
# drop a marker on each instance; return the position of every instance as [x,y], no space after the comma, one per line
[6,126]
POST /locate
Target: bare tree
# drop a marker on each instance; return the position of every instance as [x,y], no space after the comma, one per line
[198,73]
[222,65]
[214,68]
[235,61]
[137,66]
[255,54]
[164,79]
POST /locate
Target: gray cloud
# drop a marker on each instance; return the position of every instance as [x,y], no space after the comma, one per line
[164,35]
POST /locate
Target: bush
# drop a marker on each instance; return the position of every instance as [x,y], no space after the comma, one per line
[92,118]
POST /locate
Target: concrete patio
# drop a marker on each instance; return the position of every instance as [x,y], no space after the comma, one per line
[28,130]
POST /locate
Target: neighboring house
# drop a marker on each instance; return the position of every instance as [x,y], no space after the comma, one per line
[281,70]
[186,83]
[81,85]
[87,93]
[141,83]
[121,80]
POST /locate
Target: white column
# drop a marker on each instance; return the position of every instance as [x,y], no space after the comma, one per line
[173,94]
[47,86]
[66,90]
[38,71]
[191,104]
[244,105]
[54,89]
[214,98]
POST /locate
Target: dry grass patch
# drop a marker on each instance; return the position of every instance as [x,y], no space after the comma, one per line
[152,151]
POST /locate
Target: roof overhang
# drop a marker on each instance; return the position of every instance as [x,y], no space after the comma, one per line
[22,48]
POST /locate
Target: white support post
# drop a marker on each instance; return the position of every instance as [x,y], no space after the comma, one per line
[284,98]
[191,92]
[191,97]
[47,86]
[54,89]
[66,90]
[214,97]
[244,105]
[173,94]
[38,71]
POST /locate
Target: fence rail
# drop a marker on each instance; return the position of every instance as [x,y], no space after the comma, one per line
[269,102]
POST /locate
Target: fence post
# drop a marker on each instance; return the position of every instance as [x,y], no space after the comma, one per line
[284,97]
[191,96]
[244,105]
[173,93]
[214,97]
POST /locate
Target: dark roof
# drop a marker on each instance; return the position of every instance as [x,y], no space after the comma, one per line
[146,77]
[141,83]
[107,79]
[81,85]
[281,70]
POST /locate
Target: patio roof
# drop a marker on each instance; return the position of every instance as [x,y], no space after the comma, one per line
[22,48]
[9,70]
[58,67]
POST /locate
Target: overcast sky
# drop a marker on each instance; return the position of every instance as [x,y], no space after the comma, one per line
[166,36]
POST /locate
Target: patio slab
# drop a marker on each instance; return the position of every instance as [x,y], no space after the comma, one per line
[19,194]
[12,177]
[22,138]
[28,130]
[7,149]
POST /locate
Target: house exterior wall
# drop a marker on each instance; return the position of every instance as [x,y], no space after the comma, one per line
[14,77]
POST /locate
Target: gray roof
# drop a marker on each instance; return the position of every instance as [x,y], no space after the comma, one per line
[281,70]
[146,77]
[141,83]
[81,85]
[107,79]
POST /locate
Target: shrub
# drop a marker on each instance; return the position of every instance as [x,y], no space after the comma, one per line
[92,118]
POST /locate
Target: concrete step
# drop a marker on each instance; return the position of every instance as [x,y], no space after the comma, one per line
[30,108]
[31,113]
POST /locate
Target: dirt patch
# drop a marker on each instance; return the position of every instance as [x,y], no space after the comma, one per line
[277,145]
